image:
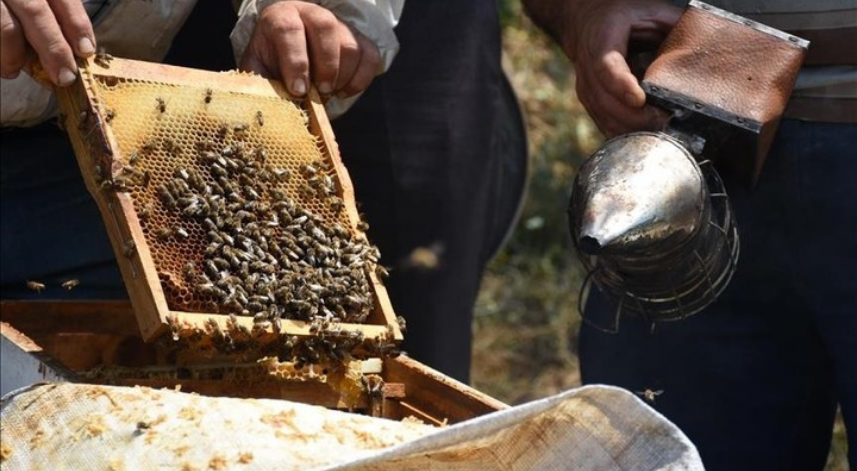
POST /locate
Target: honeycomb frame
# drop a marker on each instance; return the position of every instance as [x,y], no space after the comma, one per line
[102,154]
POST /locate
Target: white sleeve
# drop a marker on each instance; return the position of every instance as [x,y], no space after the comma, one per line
[374,19]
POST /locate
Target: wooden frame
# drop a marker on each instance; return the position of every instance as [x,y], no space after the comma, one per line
[87,123]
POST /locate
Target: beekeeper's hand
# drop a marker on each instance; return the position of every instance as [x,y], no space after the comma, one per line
[297,41]
[52,30]
[595,35]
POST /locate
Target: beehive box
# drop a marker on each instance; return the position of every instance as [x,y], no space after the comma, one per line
[227,205]
[98,342]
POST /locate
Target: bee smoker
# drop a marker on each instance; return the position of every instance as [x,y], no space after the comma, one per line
[649,214]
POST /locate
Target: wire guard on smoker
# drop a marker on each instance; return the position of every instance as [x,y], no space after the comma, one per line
[653,227]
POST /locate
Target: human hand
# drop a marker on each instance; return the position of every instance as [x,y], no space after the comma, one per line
[293,40]
[53,30]
[596,38]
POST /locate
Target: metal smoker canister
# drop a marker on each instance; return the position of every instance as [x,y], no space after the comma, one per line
[649,214]
[654,229]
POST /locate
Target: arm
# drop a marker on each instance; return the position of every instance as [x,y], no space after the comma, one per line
[341,45]
[53,30]
[595,35]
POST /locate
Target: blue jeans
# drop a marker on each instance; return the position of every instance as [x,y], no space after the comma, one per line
[754,379]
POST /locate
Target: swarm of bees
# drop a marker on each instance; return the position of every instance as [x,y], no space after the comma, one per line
[266,256]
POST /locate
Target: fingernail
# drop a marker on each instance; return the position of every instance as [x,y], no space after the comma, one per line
[299,87]
[65,77]
[85,46]
[325,88]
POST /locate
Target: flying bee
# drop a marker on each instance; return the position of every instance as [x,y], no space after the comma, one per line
[36,286]
[208,93]
[650,395]
[162,105]
[259,119]
[70,284]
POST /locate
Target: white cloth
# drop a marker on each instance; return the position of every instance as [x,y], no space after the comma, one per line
[82,426]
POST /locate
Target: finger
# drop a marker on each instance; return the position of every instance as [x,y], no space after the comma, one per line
[285,31]
[13,46]
[75,25]
[44,35]
[369,65]
[322,34]
[613,116]
[606,51]
[349,60]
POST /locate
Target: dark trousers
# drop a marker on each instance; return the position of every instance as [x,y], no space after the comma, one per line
[754,379]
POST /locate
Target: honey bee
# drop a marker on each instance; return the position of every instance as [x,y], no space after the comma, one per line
[166,196]
[133,158]
[163,234]
[149,146]
[240,131]
[336,204]
[308,170]
[381,272]
[82,118]
[36,286]
[208,93]
[129,249]
[162,105]
[109,115]
[117,184]
[103,58]
[70,284]
[182,233]
[190,270]
[650,395]
[172,147]
[259,120]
